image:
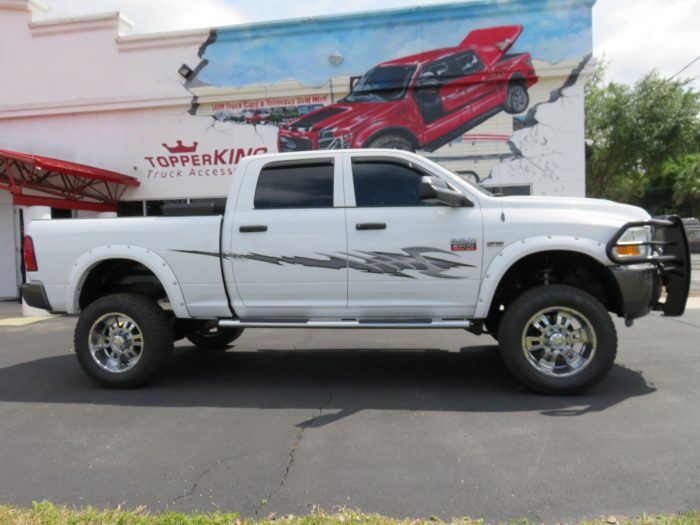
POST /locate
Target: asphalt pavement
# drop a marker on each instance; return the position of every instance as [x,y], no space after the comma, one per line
[405,423]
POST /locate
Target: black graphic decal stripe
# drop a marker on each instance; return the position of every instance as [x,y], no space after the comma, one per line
[386,263]
[198,252]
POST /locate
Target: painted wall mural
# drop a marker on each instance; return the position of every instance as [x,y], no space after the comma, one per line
[462,83]
[422,101]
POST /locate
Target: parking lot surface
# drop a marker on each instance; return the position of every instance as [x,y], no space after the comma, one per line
[406,423]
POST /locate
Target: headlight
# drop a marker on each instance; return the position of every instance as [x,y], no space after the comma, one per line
[334,138]
[629,244]
[326,133]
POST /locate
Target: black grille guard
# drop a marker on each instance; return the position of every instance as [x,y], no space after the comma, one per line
[669,252]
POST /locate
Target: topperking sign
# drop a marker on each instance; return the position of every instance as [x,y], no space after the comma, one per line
[181,160]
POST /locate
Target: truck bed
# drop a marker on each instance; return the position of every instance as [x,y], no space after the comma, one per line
[163,240]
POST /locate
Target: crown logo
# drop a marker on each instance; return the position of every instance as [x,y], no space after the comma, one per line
[180,148]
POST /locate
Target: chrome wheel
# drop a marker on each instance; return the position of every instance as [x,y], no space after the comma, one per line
[115,342]
[517,99]
[559,341]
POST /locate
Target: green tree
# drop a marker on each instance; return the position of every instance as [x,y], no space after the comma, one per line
[635,134]
[685,173]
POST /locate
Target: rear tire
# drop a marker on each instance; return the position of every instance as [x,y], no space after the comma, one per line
[517,98]
[121,340]
[557,339]
[209,336]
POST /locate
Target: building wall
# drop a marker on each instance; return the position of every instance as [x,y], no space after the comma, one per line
[85,90]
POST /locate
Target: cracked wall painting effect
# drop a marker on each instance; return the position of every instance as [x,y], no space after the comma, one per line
[549,143]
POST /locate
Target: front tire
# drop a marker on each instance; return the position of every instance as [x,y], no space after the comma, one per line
[122,339]
[391,142]
[557,339]
[492,324]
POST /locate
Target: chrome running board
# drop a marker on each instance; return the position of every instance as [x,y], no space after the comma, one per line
[354,323]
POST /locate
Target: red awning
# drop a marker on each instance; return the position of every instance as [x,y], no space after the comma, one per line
[43,181]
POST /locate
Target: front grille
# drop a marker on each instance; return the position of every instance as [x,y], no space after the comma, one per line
[294,144]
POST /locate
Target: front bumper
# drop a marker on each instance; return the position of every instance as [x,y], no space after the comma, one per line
[34,295]
[295,142]
[290,140]
[640,289]
[641,279]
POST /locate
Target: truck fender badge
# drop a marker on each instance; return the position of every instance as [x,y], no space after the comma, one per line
[463,245]
[494,244]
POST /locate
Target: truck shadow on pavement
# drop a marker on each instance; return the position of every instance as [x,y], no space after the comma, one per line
[332,384]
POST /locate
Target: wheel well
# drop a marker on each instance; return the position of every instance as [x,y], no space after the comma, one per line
[516,78]
[402,132]
[557,267]
[119,275]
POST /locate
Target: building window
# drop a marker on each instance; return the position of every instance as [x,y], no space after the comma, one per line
[60,213]
[130,209]
[155,208]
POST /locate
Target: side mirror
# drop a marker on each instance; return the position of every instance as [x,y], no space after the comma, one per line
[437,189]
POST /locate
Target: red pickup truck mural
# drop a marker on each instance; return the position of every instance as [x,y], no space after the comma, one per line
[422,101]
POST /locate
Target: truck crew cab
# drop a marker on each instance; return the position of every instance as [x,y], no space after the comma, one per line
[362,239]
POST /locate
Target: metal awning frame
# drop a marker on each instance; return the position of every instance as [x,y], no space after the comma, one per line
[41,181]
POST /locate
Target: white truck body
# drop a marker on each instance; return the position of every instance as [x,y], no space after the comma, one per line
[180,250]
[342,261]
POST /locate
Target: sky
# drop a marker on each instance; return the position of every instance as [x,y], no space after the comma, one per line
[634,36]
[252,56]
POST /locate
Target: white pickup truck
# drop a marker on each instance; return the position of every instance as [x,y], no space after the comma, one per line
[361,239]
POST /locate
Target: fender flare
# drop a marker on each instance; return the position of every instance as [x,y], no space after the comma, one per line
[150,259]
[517,77]
[514,252]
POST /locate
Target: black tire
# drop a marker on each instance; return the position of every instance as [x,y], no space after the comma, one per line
[517,98]
[532,369]
[155,331]
[208,336]
[391,142]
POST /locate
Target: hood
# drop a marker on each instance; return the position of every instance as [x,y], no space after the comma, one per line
[344,114]
[316,117]
[584,209]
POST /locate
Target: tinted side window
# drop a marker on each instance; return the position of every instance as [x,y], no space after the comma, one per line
[468,63]
[386,183]
[295,186]
[437,73]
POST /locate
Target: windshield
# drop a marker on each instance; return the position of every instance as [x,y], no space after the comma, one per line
[381,84]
